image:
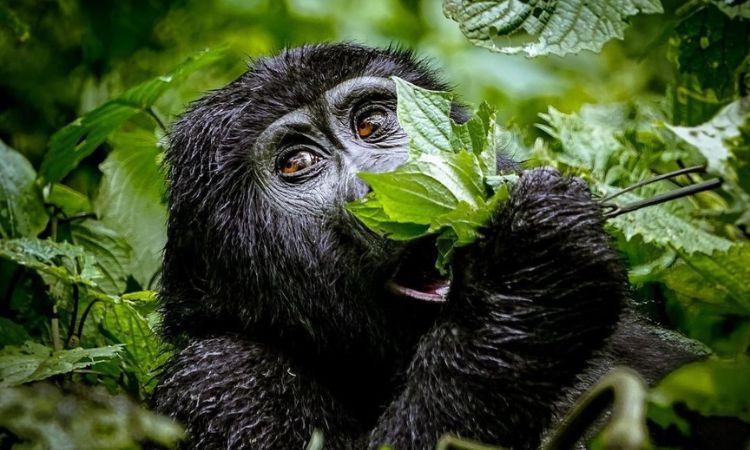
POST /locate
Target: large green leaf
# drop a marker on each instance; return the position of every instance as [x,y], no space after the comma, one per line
[75,141]
[446,186]
[60,260]
[113,254]
[590,139]
[69,201]
[711,388]
[43,416]
[32,361]
[709,50]
[422,115]
[721,279]
[130,199]
[21,208]
[710,138]
[556,27]
[666,225]
[126,321]
[428,186]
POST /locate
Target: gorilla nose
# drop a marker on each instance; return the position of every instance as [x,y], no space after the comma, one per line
[361,188]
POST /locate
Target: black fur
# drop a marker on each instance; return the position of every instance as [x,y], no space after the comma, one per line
[286,327]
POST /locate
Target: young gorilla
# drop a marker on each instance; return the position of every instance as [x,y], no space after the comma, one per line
[292,316]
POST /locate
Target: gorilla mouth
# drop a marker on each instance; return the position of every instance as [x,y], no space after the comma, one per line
[416,276]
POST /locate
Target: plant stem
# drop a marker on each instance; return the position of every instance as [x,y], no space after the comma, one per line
[151,112]
[665,197]
[648,181]
[626,430]
[84,316]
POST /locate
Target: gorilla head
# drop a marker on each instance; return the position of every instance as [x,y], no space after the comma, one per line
[260,172]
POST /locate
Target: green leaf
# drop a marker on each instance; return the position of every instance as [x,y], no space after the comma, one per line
[425,117]
[113,254]
[44,416]
[590,139]
[445,188]
[60,260]
[718,278]
[70,201]
[12,333]
[75,141]
[130,200]
[22,211]
[371,213]
[33,362]
[711,388]
[711,137]
[555,27]
[709,50]
[665,225]
[125,320]
[428,186]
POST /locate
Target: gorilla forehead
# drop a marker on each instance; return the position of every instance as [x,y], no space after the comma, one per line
[300,76]
[275,86]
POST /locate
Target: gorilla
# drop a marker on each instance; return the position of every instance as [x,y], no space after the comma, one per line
[290,316]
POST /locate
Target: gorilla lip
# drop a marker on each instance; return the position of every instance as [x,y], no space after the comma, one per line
[416,276]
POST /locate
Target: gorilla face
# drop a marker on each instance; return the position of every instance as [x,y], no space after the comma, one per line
[260,172]
[307,160]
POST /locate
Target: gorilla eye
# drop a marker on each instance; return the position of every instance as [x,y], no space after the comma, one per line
[298,162]
[369,124]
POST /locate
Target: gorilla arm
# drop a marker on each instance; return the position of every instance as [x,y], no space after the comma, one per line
[528,306]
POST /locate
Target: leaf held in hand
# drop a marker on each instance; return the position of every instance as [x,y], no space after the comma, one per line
[448,187]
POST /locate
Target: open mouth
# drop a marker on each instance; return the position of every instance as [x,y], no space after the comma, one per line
[416,276]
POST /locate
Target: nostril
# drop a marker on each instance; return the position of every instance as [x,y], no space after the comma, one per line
[361,188]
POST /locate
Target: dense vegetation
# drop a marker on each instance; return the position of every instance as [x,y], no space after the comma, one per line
[89,89]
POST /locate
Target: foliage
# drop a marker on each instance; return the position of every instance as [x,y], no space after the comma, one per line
[559,27]
[43,416]
[447,187]
[82,210]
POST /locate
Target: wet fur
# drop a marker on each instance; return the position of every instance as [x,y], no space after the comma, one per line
[283,326]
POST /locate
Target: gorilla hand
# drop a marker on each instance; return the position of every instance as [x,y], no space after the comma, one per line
[529,304]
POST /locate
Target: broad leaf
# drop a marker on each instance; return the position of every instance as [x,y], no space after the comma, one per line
[44,416]
[710,138]
[71,144]
[556,27]
[720,278]
[446,186]
[69,200]
[22,211]
[665,225]
[60,260]
[126,322]
[709,50]
[113,254]
[130,200]
[422,115]
[428,186]
[32,361]
[711,388]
